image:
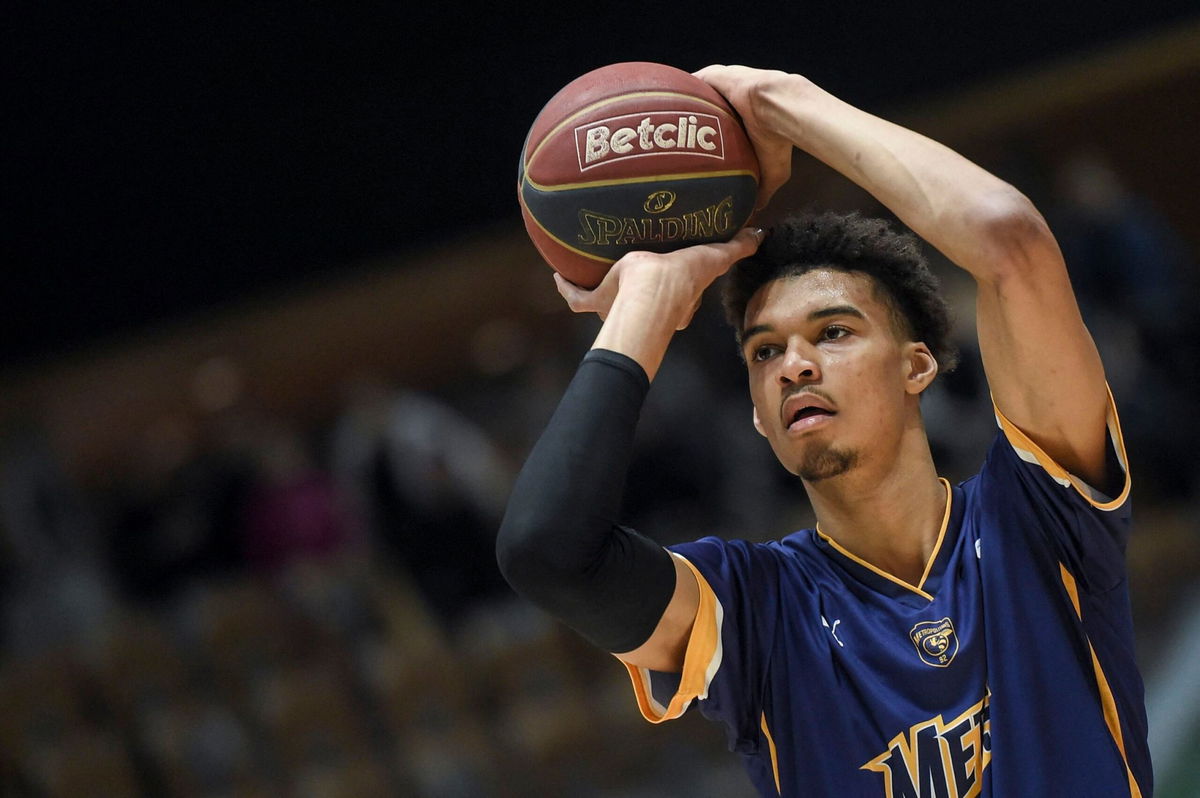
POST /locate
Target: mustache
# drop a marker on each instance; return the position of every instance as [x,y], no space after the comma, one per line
[793,390]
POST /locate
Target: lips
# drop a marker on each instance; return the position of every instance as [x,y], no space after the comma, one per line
[804,410]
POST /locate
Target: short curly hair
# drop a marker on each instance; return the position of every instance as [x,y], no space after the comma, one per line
[851,243]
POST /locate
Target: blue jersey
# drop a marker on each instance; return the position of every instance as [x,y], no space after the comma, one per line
[1007,671]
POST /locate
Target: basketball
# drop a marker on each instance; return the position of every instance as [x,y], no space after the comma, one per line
[633,156]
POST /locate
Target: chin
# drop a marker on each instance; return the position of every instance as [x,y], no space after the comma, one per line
[825,462]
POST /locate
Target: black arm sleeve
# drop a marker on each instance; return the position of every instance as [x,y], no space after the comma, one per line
[559,544]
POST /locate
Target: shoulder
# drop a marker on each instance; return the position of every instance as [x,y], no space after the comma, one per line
[796,547]
[755,567]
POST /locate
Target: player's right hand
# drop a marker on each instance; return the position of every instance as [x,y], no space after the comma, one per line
[751,92]
[671,282]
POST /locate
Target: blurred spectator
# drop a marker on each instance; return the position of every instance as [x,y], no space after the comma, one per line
[432,486]
[1125,254]
[293,511]
[175,514]
[1136,284]
[56,588]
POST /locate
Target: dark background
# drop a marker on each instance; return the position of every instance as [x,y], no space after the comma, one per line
[163,159]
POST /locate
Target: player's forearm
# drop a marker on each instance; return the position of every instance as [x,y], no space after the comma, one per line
[559,544]
[977,220]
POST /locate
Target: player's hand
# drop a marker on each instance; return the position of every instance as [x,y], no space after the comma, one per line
[748,90]
[673,281]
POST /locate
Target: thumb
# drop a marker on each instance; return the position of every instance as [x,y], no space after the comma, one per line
[747,241]
[717,258]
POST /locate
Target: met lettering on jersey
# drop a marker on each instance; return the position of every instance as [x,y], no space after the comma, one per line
[938,759]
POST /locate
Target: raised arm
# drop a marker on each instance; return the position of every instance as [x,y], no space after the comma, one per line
[1041,363]
[560,543]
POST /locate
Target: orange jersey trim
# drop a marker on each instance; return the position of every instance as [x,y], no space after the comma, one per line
[700,662]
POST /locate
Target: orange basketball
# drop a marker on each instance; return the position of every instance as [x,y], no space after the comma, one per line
[633,156]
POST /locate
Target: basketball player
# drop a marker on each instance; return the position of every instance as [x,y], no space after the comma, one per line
[924,639]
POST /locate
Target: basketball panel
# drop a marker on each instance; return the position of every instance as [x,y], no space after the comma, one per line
[606,221]
[639,136]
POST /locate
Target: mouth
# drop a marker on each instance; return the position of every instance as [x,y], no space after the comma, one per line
[809,417]
[802,412]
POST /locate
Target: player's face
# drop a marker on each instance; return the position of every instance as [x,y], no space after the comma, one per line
[832,383]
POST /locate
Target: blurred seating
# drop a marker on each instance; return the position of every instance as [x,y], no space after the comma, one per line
[311,607]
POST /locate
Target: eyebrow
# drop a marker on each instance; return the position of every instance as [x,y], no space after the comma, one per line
[821,313]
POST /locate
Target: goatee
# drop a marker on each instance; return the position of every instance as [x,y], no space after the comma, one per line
[825,463]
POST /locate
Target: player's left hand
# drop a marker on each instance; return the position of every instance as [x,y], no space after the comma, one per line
[673,281]
[749,91]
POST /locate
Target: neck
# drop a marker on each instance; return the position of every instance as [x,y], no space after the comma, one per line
[888,513]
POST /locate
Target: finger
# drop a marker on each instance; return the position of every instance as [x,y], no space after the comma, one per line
[707,72]
[715,259]
[564,286]
[742,245]
[725,78]
[577,298]
[717,76]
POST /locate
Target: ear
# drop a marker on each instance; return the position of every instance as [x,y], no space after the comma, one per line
[758,424]
[920,366]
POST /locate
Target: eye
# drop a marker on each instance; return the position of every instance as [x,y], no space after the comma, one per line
[763,352]
[834,332]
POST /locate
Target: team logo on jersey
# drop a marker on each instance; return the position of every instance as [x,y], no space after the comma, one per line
[936,642]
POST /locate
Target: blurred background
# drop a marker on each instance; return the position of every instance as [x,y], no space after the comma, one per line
[275,344]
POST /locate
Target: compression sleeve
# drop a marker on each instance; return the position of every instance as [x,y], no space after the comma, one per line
[560,545]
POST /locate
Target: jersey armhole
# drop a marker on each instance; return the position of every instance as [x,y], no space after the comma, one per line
[1030,452]
[701,661]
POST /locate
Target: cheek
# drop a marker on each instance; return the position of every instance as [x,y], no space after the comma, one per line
[759,382]
[874,392]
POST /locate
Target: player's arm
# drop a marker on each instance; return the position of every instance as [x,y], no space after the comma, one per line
[560,544]
[1042,365]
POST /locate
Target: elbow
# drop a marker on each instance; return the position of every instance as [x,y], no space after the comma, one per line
[523,551]
[514,551]
[1014,240]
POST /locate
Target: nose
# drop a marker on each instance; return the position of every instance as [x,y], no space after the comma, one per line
[797,366]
